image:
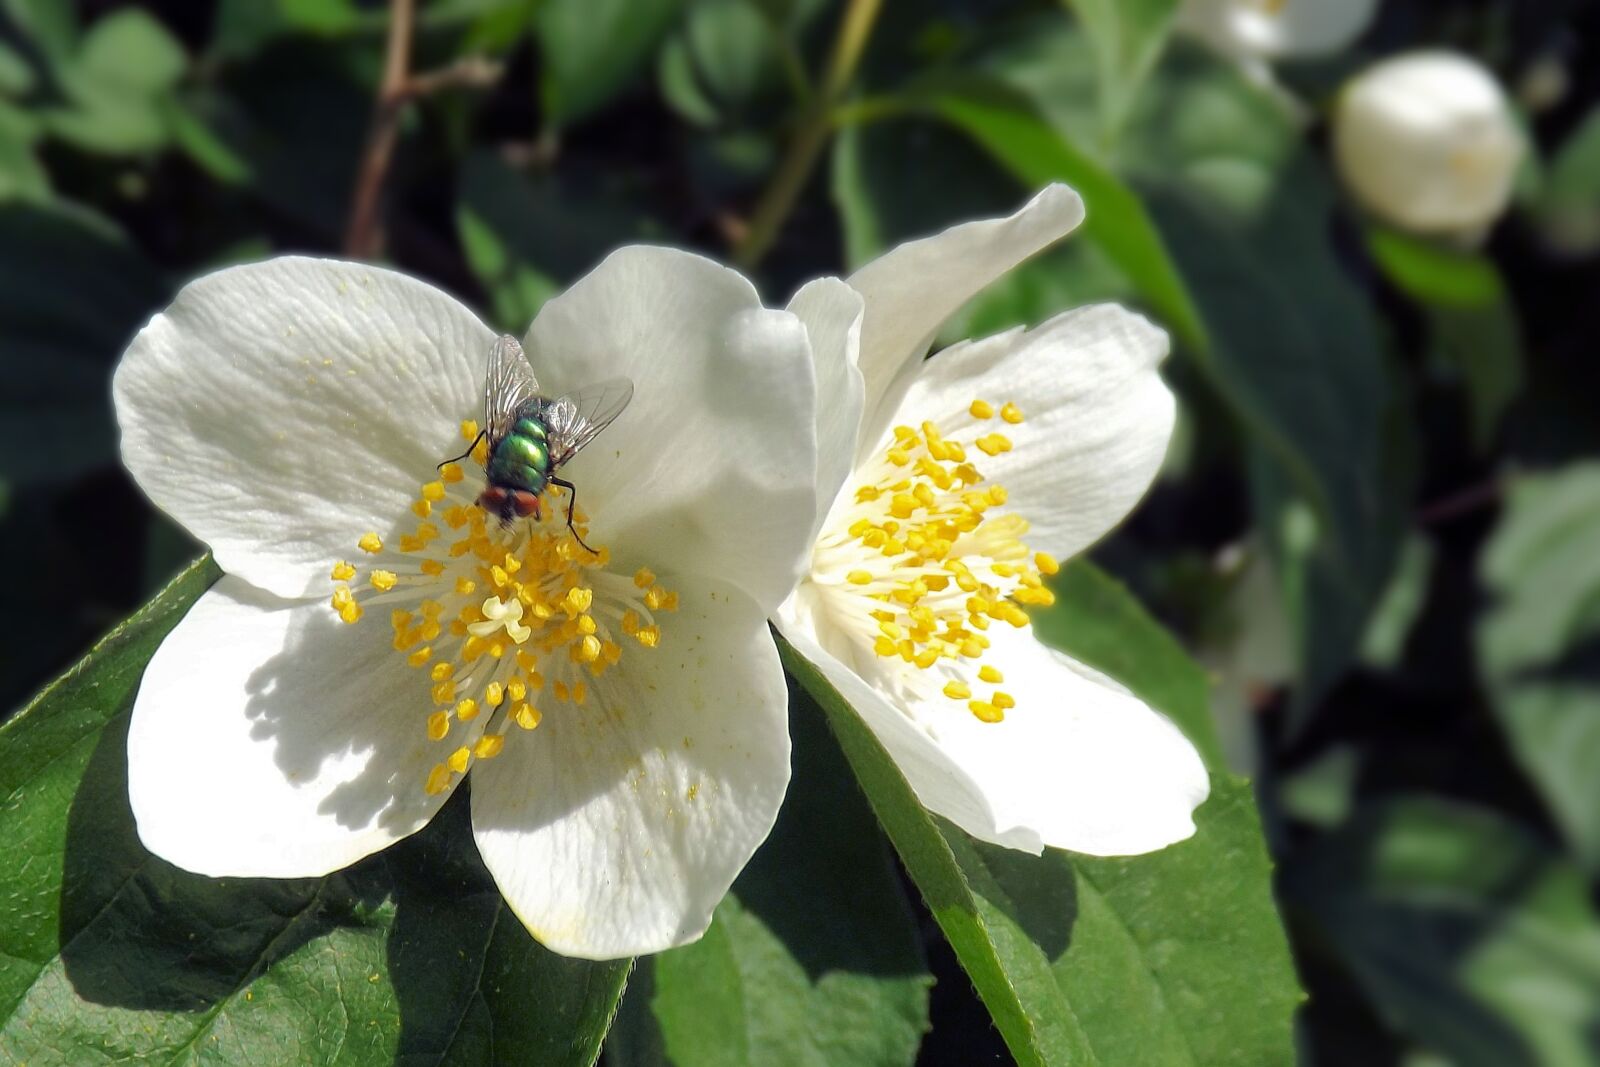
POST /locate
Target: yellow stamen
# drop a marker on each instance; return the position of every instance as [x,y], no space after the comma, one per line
[982,409]
[985,711]
[484,591]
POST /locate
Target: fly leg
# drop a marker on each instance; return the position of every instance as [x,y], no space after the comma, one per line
[481,435]
[572,502]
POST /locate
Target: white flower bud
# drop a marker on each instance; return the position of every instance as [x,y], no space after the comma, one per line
[1276,29]
[1427,141]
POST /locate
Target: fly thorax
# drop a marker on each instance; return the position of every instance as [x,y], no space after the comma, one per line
[502,623]
[927,556]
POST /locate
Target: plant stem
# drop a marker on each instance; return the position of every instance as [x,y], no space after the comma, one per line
[810,136]
[364,237]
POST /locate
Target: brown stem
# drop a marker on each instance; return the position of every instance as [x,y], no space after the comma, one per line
[1462,502]
[810,136]
[364,237]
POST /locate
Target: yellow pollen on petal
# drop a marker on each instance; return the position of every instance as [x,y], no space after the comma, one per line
[451,473]
[438,725]
[432,567]
[383,581]
[343,572]
[526,716]
[466,709]
[488,746]
[1011,413]
[459,759]
[982,409]
[469,429]
[957,690]
[990,674]
[370,543]
[438,780]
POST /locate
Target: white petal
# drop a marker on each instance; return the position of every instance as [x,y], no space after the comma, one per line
[711,469]
[832,313]
[281,409]
[1428,141]
[1077,764]
[270,739]
[614,830]
[1097,417]
[927,767]
[1080,762]
[912,289]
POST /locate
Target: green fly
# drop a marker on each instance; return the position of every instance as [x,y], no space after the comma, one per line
[531,435]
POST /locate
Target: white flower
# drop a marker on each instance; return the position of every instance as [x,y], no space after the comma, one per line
[946,476]
[1427,141]
[623,715]
[1265,30]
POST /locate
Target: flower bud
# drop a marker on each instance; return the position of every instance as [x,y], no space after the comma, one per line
[1427,142]
[1276,29]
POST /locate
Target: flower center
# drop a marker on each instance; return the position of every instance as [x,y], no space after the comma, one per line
[497,614]
[927,558]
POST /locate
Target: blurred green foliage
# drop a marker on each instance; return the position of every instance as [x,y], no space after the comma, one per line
[1379,525]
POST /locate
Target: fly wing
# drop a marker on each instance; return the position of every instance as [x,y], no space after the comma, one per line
[508,385]
[578,417]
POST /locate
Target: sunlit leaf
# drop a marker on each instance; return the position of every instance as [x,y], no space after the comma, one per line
[1539,644]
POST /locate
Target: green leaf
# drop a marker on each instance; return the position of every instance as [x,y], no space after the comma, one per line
[1177,957]
[1469,935]
[1568,205]
[734,49]
[1471,319]
[1538,643]
[594,49]
[1432,274]
[108,953]
[126,65]
[1128,36]
[813,959]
